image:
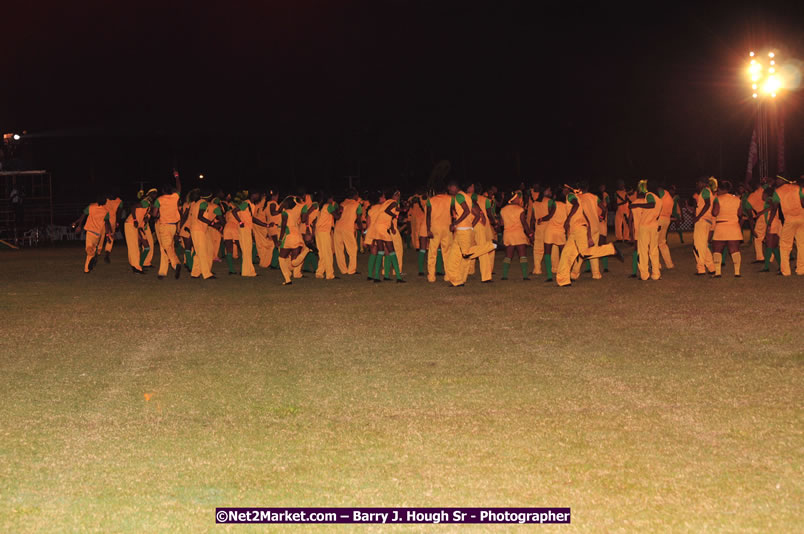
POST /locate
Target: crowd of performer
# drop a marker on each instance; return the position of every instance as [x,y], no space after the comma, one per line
[454,232]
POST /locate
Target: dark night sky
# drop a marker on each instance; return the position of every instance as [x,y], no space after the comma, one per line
[276,92]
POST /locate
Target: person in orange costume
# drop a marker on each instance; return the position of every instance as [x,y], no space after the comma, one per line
[579,240]
[621,228]
[291,242]
[199,224]
[645,228]
[438,219]
[134,231]
[113,207]
[516,234]
[97,225]
[789,198]
[728,212]
[482,230]
[756,200]
[381,227]
[555,234]
[538,210]
[323,236]
[166,213]
[703,221]
[343,238]
[242,213]
[231,232]
[666,213]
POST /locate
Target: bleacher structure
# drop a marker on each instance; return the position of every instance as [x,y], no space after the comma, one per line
[37,188]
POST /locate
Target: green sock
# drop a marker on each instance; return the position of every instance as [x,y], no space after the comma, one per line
[605,262]
[395,265]
[372,261]
[230,263]
[634,263]
[778,253]
[422,260]
[523,263]
[506,267]
[387,265]
[768,252]
[587,267]
[255,258]
[378,266]
[188,259]
[275,259]
[310,263]
[439,263]
[143,255]
[548,265]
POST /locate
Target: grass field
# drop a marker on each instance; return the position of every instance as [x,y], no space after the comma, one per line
[670,405]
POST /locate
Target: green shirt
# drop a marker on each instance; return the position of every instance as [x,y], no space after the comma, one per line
[675,206]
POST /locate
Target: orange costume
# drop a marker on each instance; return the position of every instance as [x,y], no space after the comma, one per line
[292,239]
[760,226]
[539,209]
[323,240]
[666,212]
[590,205]
[646,228]
[112,206]
[513,232]
[202,265]
[789,197]
[95,228]
[621,228]
[727,222]
[344,236]
[166,228]
[440,221]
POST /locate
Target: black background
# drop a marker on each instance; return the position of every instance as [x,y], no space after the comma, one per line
[299,93]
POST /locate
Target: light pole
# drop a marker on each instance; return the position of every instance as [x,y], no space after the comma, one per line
[766,84]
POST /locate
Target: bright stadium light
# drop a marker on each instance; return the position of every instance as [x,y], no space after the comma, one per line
[772,85]
[765,78]
[16,137]
[200,176]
